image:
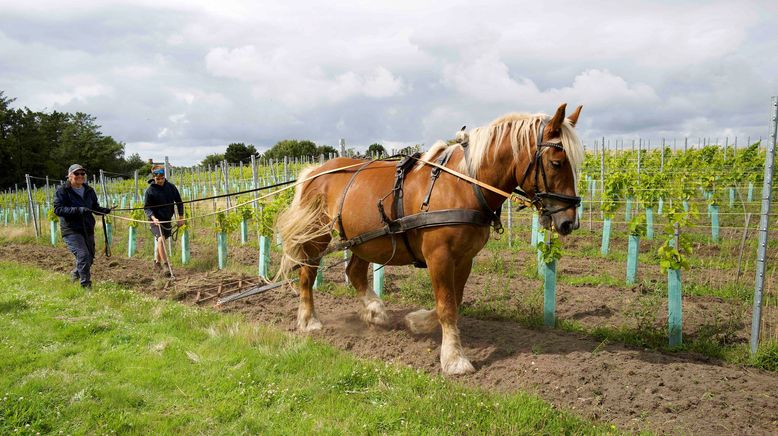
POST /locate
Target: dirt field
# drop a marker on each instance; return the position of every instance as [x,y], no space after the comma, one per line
[635,389]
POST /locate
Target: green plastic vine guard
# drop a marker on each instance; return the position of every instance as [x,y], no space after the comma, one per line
[53,233]
[221,239]
[131,242]
[109,233]
[628,210]
[185,252]
[674,307]
[535,225]
[244,231]
[264,256]
[319,275]
[549,294]
[650,223]
[606,236]
[714,223]
[378,279]
[632,259]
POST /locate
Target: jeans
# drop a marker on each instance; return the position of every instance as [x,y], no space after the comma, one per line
[84,249]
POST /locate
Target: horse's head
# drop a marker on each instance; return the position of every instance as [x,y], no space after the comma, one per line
[549,179]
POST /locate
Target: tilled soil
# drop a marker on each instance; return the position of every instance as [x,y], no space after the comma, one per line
[633,388]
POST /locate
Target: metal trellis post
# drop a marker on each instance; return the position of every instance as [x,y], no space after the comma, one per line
[764,222]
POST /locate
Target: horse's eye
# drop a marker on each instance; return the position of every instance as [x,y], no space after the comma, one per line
[556,163]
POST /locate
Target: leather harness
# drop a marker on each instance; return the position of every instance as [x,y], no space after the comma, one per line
[399,224]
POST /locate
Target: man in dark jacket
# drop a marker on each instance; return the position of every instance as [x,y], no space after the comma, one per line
[74,203]
[158,202]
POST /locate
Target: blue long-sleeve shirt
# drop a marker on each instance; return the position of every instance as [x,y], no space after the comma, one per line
[159,201]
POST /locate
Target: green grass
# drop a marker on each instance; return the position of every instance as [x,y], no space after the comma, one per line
[110,360]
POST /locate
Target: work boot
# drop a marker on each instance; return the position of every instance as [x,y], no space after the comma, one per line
[74,277]
[87,285]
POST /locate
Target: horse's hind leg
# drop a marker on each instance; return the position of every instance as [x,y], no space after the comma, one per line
[374,311]
[306,314]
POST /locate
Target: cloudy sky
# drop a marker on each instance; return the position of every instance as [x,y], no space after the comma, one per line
[184,78]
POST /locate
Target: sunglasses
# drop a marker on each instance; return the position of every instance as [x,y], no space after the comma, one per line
[159,173]
[79,173]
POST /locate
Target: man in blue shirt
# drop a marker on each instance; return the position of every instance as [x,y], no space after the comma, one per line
[74,203]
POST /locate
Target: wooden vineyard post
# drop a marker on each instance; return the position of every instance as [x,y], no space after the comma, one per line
[32,207]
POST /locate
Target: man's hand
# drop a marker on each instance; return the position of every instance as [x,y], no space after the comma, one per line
[180,222]
[154,220]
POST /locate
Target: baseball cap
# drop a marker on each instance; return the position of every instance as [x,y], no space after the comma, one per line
[75,167]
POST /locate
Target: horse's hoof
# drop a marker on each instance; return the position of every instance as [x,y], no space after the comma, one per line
[422,321]
[375,314]
[312,324]
[457,366]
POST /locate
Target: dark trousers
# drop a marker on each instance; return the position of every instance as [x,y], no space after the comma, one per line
[84,249]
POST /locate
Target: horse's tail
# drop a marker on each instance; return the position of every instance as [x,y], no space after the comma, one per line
[302,222]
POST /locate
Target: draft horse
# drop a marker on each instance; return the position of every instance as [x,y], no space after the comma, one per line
[397,214]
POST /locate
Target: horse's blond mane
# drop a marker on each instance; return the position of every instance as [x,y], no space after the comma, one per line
[520,129]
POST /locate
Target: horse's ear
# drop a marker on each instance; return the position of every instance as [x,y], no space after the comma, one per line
[556,122]
[463,128]
[573,118]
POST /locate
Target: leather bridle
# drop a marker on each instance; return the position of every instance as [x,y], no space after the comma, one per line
[537,199]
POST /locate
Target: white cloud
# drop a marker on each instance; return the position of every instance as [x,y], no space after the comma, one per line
[184,78]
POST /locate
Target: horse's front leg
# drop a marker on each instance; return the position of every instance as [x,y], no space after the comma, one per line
[374,311]
[446,281]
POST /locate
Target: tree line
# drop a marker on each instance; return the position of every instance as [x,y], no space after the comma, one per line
[240,152]
[45,144]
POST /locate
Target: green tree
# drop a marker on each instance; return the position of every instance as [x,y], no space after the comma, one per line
[291,148]
[377,149]
[212,159]
[239,152]
[325,150]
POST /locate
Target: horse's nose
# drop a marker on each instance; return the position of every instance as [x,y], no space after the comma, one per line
[577,224]
[566,227]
